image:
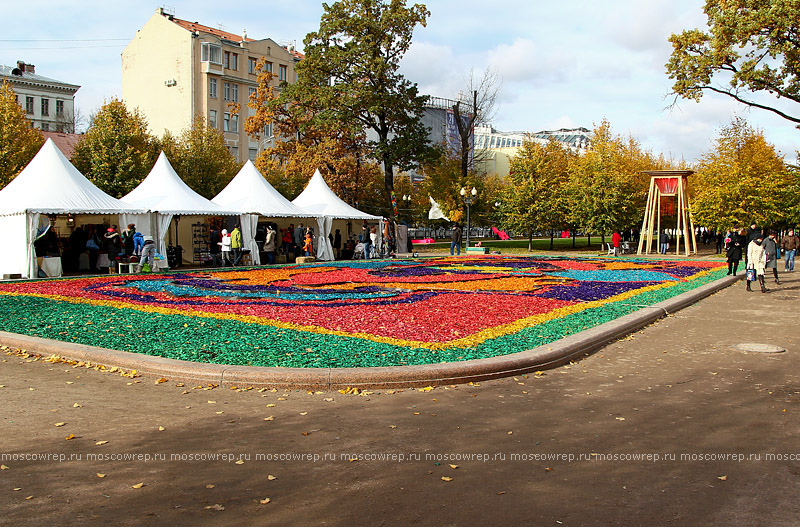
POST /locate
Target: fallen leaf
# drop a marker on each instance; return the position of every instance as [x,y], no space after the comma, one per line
[548,469]
[101,442]
[17,489]
[328,399]
[722,478]
[219,413]
[501,493]
[240,462]
[445,478]
[271,477]
[77,405]
[100,475]
[303,413]
[162,379]
[3,467]
[161,428]
[270,418]
[265,501]
[454,467]
[271,405]
[210,486]
[60,424]
[29,497]
[71,436]
[212,402]
[620,418]
[216,507]
[137,486]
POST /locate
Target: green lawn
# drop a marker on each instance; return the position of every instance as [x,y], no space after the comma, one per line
[521,245]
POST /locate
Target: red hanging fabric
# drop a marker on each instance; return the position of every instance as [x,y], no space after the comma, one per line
[668,186]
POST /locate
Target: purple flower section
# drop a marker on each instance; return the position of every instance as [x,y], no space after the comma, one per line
[588,291]
[681,272]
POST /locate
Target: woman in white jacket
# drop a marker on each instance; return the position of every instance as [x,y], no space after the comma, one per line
[757,259]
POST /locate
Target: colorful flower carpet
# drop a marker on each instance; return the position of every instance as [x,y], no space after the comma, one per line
[348,314]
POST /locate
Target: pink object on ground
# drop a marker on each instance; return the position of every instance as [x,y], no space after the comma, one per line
[424,240]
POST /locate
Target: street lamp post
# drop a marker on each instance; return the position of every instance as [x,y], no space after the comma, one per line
[469,198]
[406,203]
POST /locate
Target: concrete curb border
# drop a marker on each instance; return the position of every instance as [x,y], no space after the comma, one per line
[542,357]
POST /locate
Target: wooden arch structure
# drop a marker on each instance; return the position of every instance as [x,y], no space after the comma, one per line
[668,184]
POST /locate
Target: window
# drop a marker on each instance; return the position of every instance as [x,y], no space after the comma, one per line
[29,105]
[212,88]
[227,90]
[268,131]
[235,93]
[226,59]
[250,92]
[235,152]
[60,128]
[211,53]
[226,122]
[234,123]
[252,153]
[45,106]
[212,119]
[235,61]
[45,127]
[268,67]
[283,73]
[59,108]
[251,67]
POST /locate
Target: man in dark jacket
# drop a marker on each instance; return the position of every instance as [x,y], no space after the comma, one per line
[214,246]
[790,244]
[455,240]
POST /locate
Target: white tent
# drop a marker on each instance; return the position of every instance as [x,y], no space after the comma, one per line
[249,193]
[320,200]
[163,192]
[48,185]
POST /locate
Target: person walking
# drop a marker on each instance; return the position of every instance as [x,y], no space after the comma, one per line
[771,254]
[790,244]
[733,250]
[756,262]
[337,244]
[299,237]
[236,245]
[455,240]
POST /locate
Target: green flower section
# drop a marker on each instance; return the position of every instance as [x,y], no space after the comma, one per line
[238,343]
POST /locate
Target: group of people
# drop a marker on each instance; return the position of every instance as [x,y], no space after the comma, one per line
[225,247]
[761,252]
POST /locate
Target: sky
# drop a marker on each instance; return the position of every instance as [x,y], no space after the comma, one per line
[561,64]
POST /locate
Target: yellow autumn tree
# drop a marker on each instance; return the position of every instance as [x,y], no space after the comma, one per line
[19,141]
[741,181]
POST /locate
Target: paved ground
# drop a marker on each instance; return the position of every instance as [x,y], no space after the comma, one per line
[552,449]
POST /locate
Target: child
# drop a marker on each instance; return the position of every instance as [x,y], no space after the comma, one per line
[308,246]
[148,253]
[138,243]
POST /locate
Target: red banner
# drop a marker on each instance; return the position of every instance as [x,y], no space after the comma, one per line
[667,186]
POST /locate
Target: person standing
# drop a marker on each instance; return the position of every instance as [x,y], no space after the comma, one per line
[790,244]
[366,239]
[214,246]
[771,254]
[455,240]
[733,250]
[616,239]
[308,244]
[236,245]
[664,241]
[756,261]
[337,244]
[225,247]
[127,239]
[269,244]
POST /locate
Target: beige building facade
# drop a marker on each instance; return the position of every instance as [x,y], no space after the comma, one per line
[49,104]
[174,69]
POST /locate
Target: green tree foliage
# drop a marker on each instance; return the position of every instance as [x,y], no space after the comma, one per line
[743,180]
[352,69]
[538,198]
[753,44]
[117,152]
[19,141]
[607,188]
[444,181]
[201,158]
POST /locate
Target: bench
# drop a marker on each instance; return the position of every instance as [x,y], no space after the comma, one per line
[478,250]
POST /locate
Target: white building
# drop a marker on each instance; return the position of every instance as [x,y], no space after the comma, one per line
[49,104]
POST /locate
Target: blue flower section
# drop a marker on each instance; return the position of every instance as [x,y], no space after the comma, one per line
[608,275]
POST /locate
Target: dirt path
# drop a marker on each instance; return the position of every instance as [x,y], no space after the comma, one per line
[677,390]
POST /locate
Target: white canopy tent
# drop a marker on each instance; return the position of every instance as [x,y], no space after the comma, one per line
[49,185]
[252,195]
[164,193]
[320,200]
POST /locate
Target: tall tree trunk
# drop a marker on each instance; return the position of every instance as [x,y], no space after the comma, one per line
[552,233]
[574,235]
[530,241]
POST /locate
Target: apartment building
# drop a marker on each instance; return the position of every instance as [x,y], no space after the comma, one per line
[174,69]
[48,103]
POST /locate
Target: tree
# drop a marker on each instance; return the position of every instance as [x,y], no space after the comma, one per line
[754,43]
[538,197]
[201,158]
[474,108]
[117,152]
[19,141]
[352,67]
[743,180]
[305,140]
[606,185]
